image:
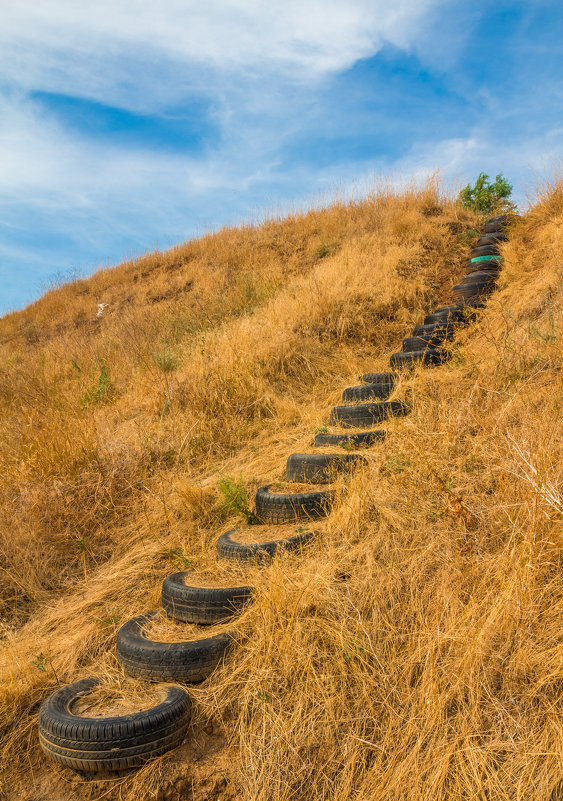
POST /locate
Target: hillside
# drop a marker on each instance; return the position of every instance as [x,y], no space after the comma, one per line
[415,651]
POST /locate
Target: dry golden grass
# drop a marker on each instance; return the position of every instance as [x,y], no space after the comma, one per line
[415,653]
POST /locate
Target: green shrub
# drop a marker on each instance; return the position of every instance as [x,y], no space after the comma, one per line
[235,498]
[486,197]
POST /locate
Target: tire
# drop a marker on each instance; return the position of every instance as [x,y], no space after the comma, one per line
[112,744]
[320,468]
[367,414]
[479,275]
[228,548]
[388,380]
[497,223]
[365,392]
[201,604]
[440,331]
[361,439]
[277,508]
[484,250]
[412,358]
[489,267]
[189,661]
[491,239]
[446,318]
[422,343]
[476,289]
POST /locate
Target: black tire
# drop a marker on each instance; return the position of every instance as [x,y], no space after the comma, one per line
[476,289]
[491,239]
[479,275]
[484,250]
[388,380]
[320,468]
[361,439]
[446,318]
[190,661]
[201,604]
[422,342]
[497,223]
[112,744]
[365,392]
[367,414]
[488,268]
[228,548]
[412,358]
[437,331]
[278,508]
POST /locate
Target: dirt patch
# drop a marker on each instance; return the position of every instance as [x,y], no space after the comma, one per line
[109,700]
[164,629]
[294,488]
[252,534]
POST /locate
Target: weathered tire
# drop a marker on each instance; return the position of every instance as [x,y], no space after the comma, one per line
[450,318]
[277,508]
[358,440]
[388,380]
[422,342]
[491,239]
[484,250]
[201,604]
[489,267]
[412,358]
[498,223]
[367,414]
[366,392]
[320,468]
[445,330]
[112,744]
[188,661]
[474,289]
[480,275]
[228,548]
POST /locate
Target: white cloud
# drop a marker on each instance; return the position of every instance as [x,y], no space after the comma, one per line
[141,52]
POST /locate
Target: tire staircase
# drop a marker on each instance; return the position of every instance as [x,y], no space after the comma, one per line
[109,745]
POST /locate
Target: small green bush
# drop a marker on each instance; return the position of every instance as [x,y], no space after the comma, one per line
[486,197]
[235,498]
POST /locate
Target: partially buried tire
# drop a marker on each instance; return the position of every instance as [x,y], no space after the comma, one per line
[367,414]
[112,744]
[479,275]
[484,250]
[278,507]
[229,548]
[387,380]
[491,239]
[365,392]
[474,289]
[182,601]
[412,358]
[439,330]
[422,342]
[320,468]
[188,661]
[360,439]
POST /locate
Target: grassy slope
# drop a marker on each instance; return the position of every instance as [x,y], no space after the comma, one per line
[416,654]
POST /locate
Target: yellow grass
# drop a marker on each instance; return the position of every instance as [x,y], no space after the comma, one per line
[415,651]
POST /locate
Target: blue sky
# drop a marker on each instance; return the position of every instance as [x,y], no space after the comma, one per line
[127,125]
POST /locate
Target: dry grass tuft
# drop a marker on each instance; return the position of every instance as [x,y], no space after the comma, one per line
[415,653]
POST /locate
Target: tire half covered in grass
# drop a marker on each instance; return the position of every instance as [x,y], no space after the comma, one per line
[387,380]
[412,358]
[278,507]
[189,661]
[365,392]
[229,548]
[320,468]
[345,440]
[201,604]
[367,414]
[112,744]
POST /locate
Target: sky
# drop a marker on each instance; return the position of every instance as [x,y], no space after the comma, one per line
[128,126]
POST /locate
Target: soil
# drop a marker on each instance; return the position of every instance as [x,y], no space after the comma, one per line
[107,700]
[252,534]
[294,487]
[164,629]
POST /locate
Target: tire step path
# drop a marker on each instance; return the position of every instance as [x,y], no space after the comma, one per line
[110,745]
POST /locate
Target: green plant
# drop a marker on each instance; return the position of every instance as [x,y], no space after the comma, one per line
[485,197]
[99,390]
[235,498]
[166,359]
